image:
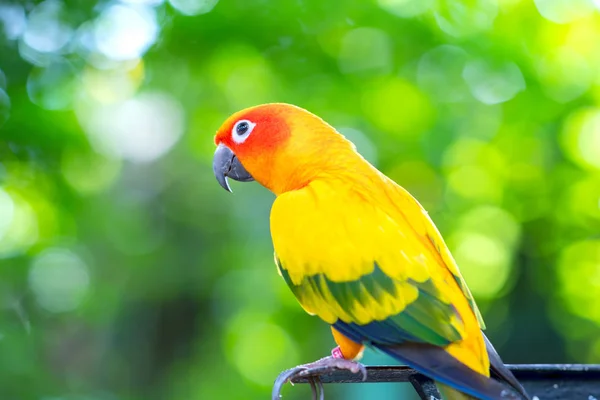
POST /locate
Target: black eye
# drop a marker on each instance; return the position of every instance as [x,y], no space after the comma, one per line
[242,127]
[241,130]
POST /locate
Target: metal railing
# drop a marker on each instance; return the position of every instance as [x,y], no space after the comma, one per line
[542,381]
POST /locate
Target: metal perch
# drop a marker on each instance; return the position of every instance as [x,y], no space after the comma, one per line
[542,381]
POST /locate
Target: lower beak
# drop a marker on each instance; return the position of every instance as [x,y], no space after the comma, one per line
[226,165]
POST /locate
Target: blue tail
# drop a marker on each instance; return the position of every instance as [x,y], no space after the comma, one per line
[434,362]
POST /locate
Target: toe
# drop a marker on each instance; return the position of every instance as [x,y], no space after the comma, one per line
[282,379]
[314,389]
[363,371]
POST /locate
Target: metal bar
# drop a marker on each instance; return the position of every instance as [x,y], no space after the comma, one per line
[425,387]
[544,381]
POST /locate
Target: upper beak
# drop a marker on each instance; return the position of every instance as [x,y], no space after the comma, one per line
[226,164]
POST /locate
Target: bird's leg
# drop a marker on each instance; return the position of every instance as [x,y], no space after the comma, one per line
[325,365]
[335,361]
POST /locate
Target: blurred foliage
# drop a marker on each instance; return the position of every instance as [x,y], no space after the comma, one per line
[126,272]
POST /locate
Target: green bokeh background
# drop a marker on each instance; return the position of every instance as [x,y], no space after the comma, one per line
[126,272]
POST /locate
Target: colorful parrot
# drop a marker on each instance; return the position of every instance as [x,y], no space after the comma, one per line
[360,252]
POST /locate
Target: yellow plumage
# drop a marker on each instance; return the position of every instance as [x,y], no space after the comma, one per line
[339,227]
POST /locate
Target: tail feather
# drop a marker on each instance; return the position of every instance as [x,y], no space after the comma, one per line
[500,371]
[436,363]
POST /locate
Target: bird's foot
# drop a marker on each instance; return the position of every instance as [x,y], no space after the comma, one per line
[313,370]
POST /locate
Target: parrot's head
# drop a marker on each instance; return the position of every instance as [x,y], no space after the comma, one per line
[281,146]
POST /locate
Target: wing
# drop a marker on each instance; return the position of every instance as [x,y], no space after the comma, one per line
[423,226]
[407,310]
[362,266]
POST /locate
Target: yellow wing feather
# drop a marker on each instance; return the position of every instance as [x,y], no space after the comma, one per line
[419,219]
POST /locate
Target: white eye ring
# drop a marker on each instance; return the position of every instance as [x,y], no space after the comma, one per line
[241,130]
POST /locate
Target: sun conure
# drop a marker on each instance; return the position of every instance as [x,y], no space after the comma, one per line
[360,252]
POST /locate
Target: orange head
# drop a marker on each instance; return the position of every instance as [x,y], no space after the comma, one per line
[281,146]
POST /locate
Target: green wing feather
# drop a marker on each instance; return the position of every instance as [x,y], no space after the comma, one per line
[426,318]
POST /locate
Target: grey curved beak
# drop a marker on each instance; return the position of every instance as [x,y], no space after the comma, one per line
[226,165]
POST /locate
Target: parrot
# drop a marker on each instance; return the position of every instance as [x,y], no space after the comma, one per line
[361,253]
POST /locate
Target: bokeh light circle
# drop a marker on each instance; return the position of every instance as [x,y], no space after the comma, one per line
[564,11]
[2,80]
[565,74]
[89,173]
[13,20]
[405,8]
[151,3]
[7,211]
[4,107]
[461,19]
[484,262]
[579,279]
[59,279]
[46,32]
[493,84]
[21,228]
[193,7]
[139,129]
[581,137]
[125,32]
[53,87]
[366,50]
[439,72]
[258,363]
[397,106]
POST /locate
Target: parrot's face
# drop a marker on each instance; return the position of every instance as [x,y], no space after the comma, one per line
[248,143]
[281,146]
